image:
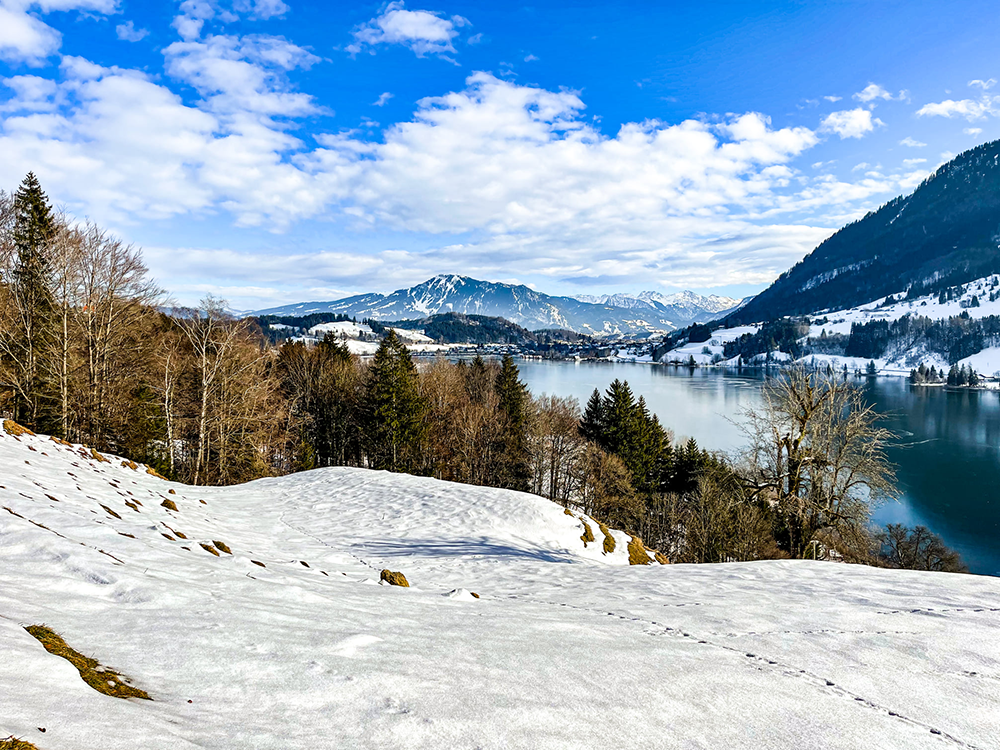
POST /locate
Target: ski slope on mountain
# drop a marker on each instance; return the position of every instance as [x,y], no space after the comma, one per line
[288,640]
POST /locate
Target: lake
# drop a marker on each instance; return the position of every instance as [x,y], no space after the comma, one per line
[947,450]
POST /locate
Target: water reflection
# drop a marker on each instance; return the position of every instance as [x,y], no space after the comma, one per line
[947,451]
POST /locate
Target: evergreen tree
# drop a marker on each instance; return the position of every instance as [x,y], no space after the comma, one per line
[513,401]
[31,291]
[393,408]
[592,424]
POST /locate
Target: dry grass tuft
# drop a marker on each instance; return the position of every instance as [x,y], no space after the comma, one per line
[13,429]
[222,546]
[169,505]
[568,512]
[474,594]
[637,554]
[12,743]
[258,562]
[98,457]
[588,534]
[394,578]
[54,439]
[102,679]
[171,492]
[133,506]
[130,465]
[110,512]
[153,472]
[209,548]
[609,541]
[661,558]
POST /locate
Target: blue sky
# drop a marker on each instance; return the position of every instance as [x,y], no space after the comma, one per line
[272,151]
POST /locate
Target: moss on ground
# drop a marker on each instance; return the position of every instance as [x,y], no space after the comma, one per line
[394,578]
[637,554]
[13,743]
[588,534]
[13,429]
[609,541]
[102,679]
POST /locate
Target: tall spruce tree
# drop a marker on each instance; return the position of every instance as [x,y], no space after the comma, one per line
[592,423]
[394,409]
[513,400]
[34,307]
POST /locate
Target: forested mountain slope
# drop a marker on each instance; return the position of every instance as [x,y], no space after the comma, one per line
[945,233]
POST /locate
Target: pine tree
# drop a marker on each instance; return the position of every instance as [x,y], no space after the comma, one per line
[31,291]
[393,408]
[592,425]
[513,400]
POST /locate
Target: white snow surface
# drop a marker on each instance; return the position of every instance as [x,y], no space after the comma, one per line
[565,648]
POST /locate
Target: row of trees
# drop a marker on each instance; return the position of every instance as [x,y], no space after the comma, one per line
[88,354]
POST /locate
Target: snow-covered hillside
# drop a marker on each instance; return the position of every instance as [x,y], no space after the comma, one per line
[253,617]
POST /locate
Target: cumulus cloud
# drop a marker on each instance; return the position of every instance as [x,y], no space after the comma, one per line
[127,32]
[911,143]
[913,162]
[25,38]
[850,123]
[382,99]
[984,85]
[500,173]
[833,99]
[425,32]
[970,109]
[972,131]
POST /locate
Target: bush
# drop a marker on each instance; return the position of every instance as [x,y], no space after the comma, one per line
[917,549]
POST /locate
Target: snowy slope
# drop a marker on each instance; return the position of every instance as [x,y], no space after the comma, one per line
[566,648]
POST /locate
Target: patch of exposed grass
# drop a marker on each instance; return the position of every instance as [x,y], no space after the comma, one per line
[13,429]
[130,465]
[209,548]
[661,558]
[169,505]
[171,492]
[394,578]
[568,512]
[54,439]
[588,534]
[13,743]
[258,562]
[609,540]
[223,547]
[102,679]
[110,512]
[98,457]
[637,554]
[153,472]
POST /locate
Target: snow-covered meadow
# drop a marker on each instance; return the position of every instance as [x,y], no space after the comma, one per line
[291,642]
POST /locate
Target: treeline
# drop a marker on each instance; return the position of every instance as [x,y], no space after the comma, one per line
[86,354]
[954,338]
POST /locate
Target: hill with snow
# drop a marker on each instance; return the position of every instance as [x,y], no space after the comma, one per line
[514,302]
[945,233]
[683,308]
[253,616]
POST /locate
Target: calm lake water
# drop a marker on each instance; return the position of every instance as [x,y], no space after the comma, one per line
[947,451]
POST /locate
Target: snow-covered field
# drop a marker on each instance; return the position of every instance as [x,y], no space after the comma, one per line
[564,648]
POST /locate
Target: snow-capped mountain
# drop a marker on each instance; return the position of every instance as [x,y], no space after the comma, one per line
[253,616]
[681,307]
[515,302]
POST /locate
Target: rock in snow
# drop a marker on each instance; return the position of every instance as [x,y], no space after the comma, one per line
[564,647]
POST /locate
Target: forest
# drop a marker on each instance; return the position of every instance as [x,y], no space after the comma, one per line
[89,353]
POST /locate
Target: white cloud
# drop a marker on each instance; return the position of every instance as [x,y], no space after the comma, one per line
[25,38]
[972,131]
[850,123]
[533,58]
[127,32]
[984,85]
[970,109]
[423,31]
[871,92]
[913,162]
[833,98]
[911,143]
[382,99]
[260,9]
